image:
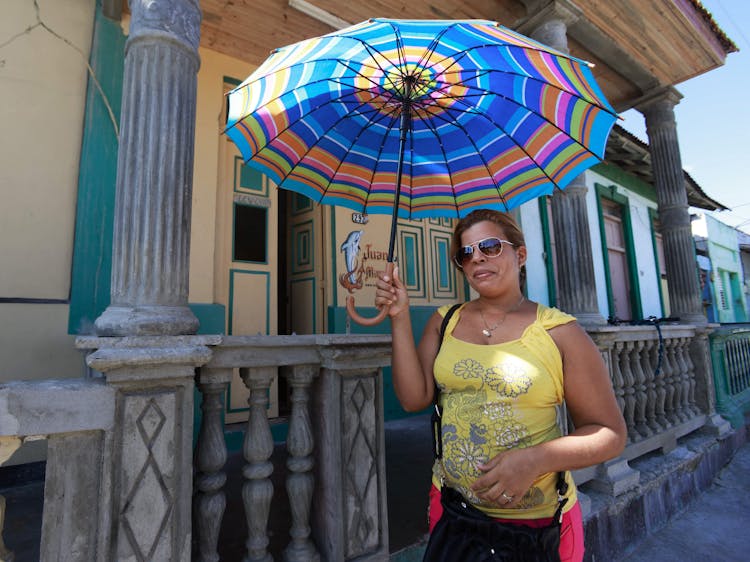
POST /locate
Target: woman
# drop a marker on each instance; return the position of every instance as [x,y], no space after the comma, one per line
[504,366]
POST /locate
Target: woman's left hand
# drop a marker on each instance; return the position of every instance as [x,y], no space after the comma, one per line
[507,477]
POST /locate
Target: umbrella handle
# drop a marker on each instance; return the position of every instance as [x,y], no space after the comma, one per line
[361,320]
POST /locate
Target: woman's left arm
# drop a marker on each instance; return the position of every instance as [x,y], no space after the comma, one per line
[599,432]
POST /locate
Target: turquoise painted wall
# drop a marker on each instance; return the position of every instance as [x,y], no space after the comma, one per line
[419,317]
[92,246]
[724,252]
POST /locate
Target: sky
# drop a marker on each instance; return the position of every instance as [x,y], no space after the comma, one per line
[713,120]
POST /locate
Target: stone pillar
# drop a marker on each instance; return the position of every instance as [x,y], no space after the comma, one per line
[155,173]
[147,465]
[679,251]
[575,264]
[705,393]
[349,512]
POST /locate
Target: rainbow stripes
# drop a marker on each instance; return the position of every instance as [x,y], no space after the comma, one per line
[497,119]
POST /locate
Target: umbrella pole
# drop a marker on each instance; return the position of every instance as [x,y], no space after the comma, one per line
[404,130]
[404,126]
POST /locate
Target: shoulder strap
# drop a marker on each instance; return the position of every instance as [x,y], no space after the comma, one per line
[437,430]
[446,319]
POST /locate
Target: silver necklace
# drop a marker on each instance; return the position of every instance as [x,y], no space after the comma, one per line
[487,331]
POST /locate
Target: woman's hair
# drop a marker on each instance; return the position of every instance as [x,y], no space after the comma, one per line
[506,221]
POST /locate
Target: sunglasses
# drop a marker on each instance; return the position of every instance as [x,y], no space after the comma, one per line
[488,247]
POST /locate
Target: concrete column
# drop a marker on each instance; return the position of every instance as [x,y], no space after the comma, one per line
[349,517]
[679,251]
[147,468]
[155,173]
[575,264]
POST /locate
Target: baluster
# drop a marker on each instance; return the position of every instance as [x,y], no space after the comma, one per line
[8,446]
[661,387]
[731,373]
[745,362]
[648,364]
[687,375]
[257,490]
[639,386]
[618,384]
[629,386]
[741,364]
[300,482]
[692,404]
[681,382]
[733,365]
[210,458]
[672,392]
[5,554]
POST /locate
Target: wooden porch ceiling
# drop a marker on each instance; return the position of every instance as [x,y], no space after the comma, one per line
[638,46]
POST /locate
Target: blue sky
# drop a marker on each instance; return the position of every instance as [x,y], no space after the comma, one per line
[713,120]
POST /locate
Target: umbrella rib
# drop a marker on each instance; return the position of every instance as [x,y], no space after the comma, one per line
[338,80]
[480,154]
[374,171]
[473,109]
[456,124]
[383,115]
[348,151]
[429,125]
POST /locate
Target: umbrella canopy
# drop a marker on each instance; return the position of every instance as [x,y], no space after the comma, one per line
[420,118]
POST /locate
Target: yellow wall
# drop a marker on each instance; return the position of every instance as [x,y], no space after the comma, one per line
[42,88]
[208,123]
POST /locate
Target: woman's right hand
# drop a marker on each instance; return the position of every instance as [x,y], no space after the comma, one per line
[391,292]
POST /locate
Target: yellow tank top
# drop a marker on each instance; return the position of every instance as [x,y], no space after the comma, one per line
[500,397]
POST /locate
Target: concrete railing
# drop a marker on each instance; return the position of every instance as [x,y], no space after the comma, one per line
[335,445]
[661,379]
[121,461]
[74,416]
[730,351]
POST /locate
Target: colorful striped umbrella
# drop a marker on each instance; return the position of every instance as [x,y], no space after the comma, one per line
[420,118]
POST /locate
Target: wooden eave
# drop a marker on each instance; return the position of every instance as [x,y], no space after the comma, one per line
[638,46]
[632,155]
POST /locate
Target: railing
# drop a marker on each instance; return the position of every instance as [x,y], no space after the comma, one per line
[74,416]
[730,351]
[655,381]
[334,454]
[335,449]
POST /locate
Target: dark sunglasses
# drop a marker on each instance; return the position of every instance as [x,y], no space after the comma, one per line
[489,248]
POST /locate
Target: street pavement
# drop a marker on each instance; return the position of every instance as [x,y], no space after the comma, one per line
[715,527]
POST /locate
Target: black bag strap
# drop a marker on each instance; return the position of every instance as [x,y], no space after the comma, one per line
[437,427]
[437,413]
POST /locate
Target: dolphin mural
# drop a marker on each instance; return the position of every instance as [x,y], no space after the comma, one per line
[350,248]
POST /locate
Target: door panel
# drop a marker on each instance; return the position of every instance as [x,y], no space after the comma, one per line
[619,273]
[246,260]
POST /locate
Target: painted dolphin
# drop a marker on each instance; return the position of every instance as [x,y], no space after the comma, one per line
[350,247]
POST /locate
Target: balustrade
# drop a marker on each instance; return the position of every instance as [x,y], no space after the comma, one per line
[654,380]
[730,351]
[335,461]
[335,432]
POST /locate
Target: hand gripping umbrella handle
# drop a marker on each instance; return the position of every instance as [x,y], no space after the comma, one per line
[361,320]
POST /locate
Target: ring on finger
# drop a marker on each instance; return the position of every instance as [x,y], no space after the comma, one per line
[508,498]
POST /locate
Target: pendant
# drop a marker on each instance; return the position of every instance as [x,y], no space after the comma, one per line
[487,333]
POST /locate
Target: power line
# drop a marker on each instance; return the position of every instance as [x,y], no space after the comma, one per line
[731,20]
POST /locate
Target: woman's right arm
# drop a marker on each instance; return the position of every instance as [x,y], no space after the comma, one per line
[411,366]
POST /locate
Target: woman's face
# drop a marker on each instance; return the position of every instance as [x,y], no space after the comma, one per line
[492,275]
